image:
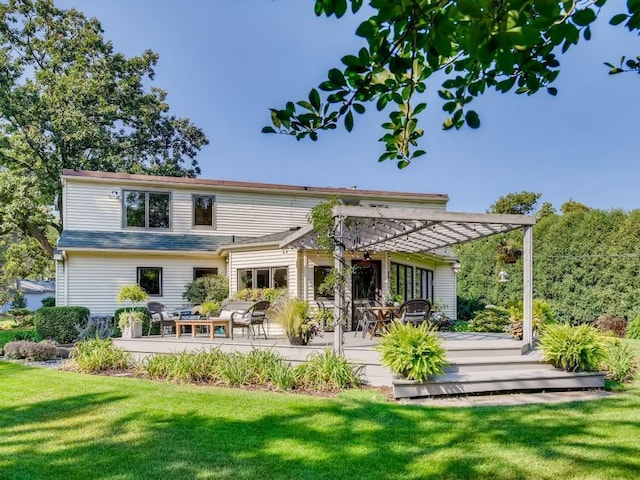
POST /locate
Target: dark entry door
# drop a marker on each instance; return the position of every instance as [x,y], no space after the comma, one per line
[366,283]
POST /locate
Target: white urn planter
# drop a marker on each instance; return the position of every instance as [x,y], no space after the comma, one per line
[132,330]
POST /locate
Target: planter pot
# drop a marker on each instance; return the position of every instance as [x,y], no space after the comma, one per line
[133,330]
[298,340]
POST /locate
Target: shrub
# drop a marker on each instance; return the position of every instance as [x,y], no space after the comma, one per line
[209,287]
[328,371]
[32,351]
[619,363]
[441,321]
[412,351]
[200,367]
[284,377]
[460,326]
[18,302]
[490,319]
[99,355]
[633,329]
[580,348]
[609,323]
[49,302]
[59,323]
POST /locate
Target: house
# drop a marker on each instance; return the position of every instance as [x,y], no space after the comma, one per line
[34,292]
[162,232]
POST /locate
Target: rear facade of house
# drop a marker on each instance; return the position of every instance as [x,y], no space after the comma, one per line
[162,232]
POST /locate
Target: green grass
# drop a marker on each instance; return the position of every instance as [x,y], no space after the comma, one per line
[61,425]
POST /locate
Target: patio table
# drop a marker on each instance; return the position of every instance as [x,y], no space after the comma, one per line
[212,323]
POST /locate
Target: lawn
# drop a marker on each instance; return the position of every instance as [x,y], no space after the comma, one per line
[61,425]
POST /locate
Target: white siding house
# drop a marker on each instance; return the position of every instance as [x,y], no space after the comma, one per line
[119,227]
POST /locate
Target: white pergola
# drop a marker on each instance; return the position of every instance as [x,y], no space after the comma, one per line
[412,230]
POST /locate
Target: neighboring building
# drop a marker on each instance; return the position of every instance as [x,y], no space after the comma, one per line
[162,232]
[34,292]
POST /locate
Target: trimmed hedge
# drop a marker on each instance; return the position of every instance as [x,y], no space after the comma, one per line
[59,323]
[145,321]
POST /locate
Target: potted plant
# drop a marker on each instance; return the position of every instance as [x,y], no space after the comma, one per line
[130,321]
[209,308]
[298,325]
[508,251]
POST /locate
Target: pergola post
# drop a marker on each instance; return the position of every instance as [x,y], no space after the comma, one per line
[527,328]
[338,286]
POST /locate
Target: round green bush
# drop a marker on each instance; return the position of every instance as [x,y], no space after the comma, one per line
[415,352]
[490,319]
[61,324]
[580,348]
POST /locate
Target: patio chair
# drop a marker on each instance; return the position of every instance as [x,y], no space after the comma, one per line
[159,315]
[256,315]
[414,311]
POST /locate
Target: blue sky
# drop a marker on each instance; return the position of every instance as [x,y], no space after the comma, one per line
[226,62]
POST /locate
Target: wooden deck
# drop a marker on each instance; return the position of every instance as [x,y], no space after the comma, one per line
[479,362]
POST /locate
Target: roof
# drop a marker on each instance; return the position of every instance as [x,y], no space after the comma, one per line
[252,186]
[90,240]
[409,230]
[37,286]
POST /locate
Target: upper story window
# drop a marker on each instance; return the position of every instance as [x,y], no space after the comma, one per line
[147,209]
[203,210]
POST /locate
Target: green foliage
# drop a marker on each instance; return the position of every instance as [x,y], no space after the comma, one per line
[209,287]
[209,308]
[490,319]
[132,293]
[294,316]
[328,371]
[571,206]
[31,351]
[585,265]
[127,316]
[633,329]
[619,363]
[321,217]
[460,326]
[99,355]
[415,352]
[521,203]
[471,47]
[614,325]
[256,294]
[579,348]
[71,101]
[18,302]
[49,302]
[541,315]
[61,323]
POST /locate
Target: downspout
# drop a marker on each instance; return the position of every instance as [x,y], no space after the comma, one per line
[305,275]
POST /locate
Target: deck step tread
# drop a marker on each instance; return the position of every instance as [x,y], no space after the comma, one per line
[493,375]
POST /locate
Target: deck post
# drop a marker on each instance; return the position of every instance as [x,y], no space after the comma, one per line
[527,328]
[338,287]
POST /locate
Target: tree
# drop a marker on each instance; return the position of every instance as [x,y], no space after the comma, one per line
[571,206]
[67,100]
[475,45]
[521,203]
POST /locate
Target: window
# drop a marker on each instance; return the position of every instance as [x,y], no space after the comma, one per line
[203,272]
[150,280]
[146,209]
[267,277]
[401,280]
[203,210]
[319,276]
[424,287]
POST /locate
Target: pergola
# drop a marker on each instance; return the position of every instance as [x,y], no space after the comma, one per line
[412,230]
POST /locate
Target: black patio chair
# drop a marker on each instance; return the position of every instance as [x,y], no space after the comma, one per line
[159,315]
[256,315]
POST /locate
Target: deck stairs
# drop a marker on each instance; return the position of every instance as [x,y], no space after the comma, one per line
[478,364]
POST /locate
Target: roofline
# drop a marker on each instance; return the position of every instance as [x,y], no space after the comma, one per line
[141,250]
[236,185]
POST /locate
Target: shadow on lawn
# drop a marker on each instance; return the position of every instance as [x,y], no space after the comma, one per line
[274,437]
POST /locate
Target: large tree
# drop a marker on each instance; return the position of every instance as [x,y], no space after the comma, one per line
[68,100]
[469,46]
